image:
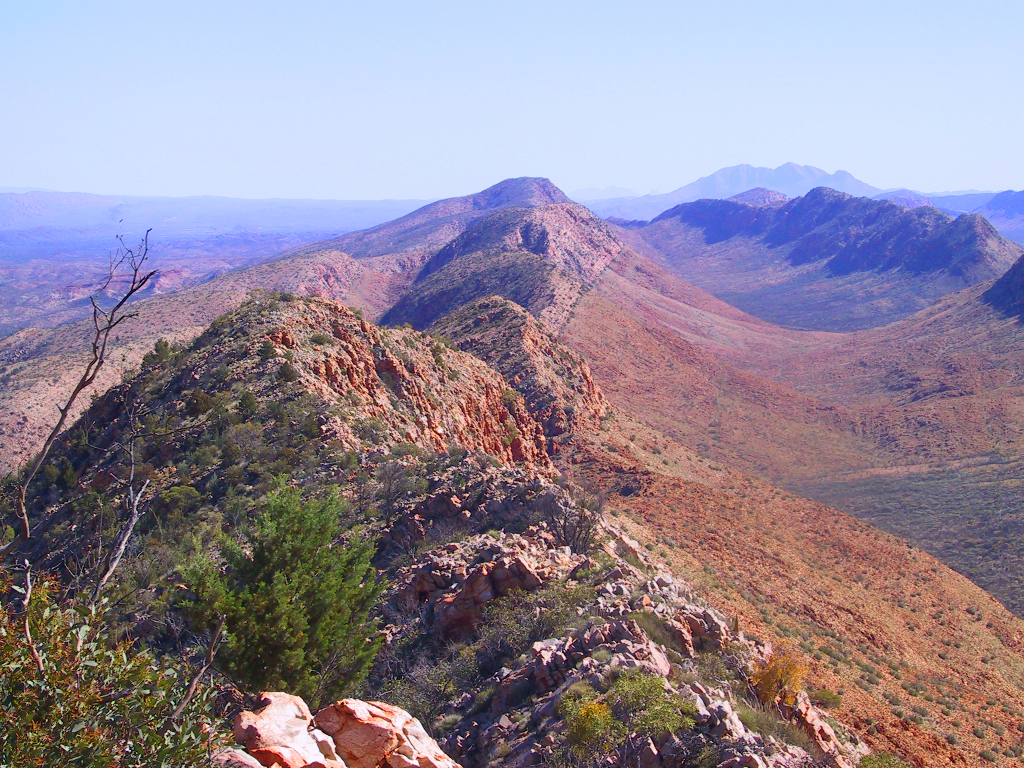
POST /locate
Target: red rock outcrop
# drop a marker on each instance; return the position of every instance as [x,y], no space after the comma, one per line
[347,734]
[402,386]
[555,381]
[372,734]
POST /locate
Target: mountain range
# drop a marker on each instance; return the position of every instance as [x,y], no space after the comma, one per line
[824,261]
[790,179]
[721,435]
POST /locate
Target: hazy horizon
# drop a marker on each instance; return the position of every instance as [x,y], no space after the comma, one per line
[343,102]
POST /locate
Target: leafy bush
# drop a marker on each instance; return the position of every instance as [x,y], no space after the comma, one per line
[779,677]
[288,372]
[591,730]
[822,697]
[647,708]
[88,700]
[267,350]
[248,405]
[296,601]
[883,760]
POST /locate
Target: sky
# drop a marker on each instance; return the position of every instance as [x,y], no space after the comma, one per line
[385,99]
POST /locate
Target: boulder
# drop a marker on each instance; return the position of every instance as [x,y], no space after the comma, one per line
[235,758]
[278,731]
[372,734]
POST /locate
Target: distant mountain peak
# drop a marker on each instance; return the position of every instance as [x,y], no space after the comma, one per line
[525,191]
[790,179]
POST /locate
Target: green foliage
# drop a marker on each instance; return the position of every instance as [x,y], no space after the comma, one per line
[96,702]
[177,501]
[267,350]
[287,372]
[321,339]
[592,730]
[248,405]
[575,697]
[198,403]
[766,721]
[658,630]
[883,760]
[822,697]
[647,708]
[296,600]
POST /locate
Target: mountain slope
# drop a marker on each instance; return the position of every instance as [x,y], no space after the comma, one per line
[825,261]
[36,365]
[1006,212]
[556,382]
[541,258]
[433,225]
[790,179]
[1007,293]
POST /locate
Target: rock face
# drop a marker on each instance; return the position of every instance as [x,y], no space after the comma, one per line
[347,734]
[371,734]
[278,732]
[402,386]
[450,588]
[554,380]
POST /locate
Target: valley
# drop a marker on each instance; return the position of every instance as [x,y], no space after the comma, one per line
[811,410]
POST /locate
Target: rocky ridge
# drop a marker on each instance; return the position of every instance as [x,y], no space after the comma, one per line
[555,381]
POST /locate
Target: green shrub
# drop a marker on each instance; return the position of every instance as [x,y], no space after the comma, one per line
[296,601]
[321,339]
[766,721]
[822,697]
[95,702]
[248,405]
[591,730]
[575,697]
[657,629]
[288,372]
[647,708]
[883,760]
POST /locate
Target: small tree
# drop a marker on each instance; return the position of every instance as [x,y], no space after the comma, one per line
[575,524]
[296,600]
[779,677]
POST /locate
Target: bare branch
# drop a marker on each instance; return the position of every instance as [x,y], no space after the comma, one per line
[211,651]
[28,630]
[104,323]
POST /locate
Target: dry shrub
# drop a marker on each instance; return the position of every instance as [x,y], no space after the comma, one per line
[779,677]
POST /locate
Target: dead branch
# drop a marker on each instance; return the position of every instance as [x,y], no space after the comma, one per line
[104,322]
[211,651]
[132,500]
[28,630]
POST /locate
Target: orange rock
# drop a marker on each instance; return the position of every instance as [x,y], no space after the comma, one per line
[372,734]
[278,730]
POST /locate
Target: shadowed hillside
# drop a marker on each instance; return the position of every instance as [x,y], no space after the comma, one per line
[825,261]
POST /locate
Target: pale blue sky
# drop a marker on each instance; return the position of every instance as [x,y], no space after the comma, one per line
[428,99]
